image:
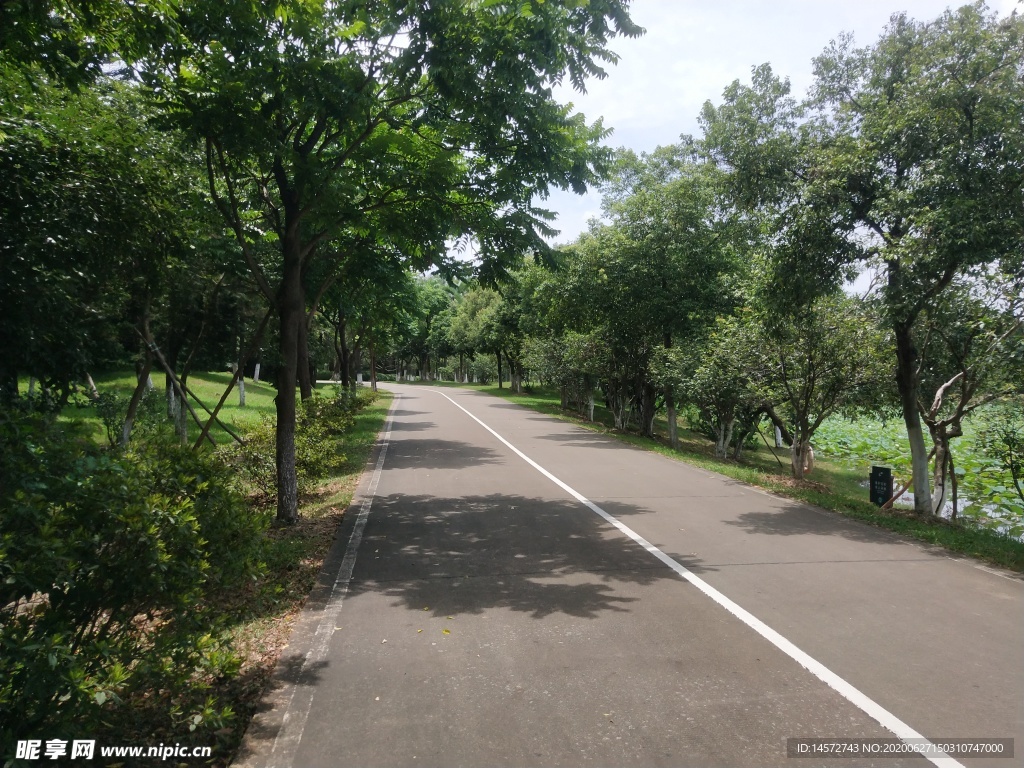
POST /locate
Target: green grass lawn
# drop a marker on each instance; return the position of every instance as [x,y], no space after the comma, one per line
[209,387]
[837,485]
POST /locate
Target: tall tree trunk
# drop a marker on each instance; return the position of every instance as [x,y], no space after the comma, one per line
[256,374]
[181,424]
[498,355]
[239,370]
[940,472]
[346,370]
[336,366]
[93,392]
[648,398]
[355,361]
[373,366]
[173,406]
[907,385]
[672,417]
[291,315]
[302,364]
[799,458]
[133,406]
[723,436]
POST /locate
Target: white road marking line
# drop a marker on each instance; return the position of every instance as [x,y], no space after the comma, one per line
[816,668]
[995,573]
[300,702]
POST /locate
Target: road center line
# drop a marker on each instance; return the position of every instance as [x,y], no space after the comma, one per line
[816,668]
[286,743]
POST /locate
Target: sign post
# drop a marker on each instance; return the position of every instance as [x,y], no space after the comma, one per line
[880,483]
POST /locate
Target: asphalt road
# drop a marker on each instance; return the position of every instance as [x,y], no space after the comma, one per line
[478,610]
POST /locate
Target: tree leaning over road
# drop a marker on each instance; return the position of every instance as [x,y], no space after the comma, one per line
[409,122]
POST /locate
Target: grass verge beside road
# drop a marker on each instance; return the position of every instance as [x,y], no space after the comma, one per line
[833,487]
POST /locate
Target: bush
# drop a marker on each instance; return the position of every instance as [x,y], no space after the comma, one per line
[321,420]
[484,368]
[106,559]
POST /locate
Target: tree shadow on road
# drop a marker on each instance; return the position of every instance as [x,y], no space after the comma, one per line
[412,426]
[424,453]
[469,554]
[793,519]
[581,438]
[400,412]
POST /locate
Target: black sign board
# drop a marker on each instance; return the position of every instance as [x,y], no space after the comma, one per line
[880,483]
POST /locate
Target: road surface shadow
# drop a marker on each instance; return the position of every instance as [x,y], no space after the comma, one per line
[399,412]
[794,520]
[423,453]
[583,439]
[289,671]
[412,426]
[468,554]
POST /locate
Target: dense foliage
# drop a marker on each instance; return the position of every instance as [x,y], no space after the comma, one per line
[107,561]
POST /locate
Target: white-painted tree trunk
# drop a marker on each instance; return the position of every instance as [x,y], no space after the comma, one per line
[241,391]
[173,404]
[724,437]
[256,374]
[802,458]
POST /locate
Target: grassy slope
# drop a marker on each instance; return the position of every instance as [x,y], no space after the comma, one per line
[835,486]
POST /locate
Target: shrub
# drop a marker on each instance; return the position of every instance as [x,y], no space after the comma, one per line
[321,420]
[484,368]
[106,559]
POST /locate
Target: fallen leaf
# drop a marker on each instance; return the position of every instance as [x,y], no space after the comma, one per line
[445,632]
[418,631]
[383,641]
[451,617]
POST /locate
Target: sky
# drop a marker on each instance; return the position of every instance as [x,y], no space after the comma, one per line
[693,49]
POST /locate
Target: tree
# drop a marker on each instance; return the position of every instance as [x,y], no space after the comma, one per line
[827,358]
[433,296]
[94,208]
[971,354]
[930,160]
[910,159]
[683,253]
[409,123]
[715,377]
[71,40]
